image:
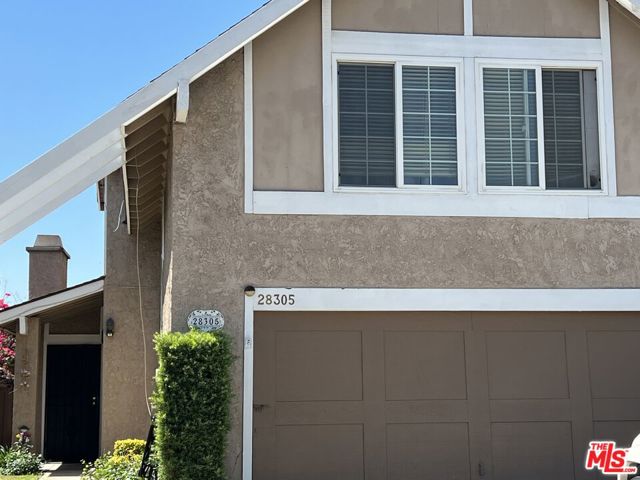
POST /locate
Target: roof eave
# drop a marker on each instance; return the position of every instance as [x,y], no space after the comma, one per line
[98,149]
[34,307]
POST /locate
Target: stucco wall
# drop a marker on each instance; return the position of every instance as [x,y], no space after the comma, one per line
[216,249]
[124,413]
[539,18]
[625,60]
[287,98]
[399,16]
[27,393]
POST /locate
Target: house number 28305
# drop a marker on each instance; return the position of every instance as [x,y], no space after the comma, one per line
[276,299]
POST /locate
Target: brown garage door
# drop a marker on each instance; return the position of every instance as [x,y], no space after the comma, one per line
[406,396]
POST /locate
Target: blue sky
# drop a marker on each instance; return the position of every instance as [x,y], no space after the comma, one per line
[64,63]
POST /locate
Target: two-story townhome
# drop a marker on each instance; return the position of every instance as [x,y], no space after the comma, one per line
[419,218]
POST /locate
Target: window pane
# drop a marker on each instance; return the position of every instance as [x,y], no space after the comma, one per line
[366,107]
[511,130]
[429,125]
[570,109]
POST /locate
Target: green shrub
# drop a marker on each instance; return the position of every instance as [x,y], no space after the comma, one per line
[19,459]
[122,464]
[193,392]
[129,447]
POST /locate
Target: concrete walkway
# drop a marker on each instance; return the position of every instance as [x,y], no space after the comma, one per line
[68,471]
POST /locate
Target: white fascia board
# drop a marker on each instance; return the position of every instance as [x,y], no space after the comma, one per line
[33,308]
[85,147]
[447,300]
[632,5]
[44,200]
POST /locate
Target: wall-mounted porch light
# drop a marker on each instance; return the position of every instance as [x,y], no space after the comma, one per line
[110,327]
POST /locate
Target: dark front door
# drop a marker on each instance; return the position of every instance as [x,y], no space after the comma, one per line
[72,411]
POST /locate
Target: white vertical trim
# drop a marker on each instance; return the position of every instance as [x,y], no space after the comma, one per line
[399,113]
[607,80]
[468,18]
[542,177]
[247,396]
[471,130]
[327,99]
[182,101]
[248,128]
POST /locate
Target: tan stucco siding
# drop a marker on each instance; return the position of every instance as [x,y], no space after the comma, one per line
[625,59]
[123,409]
[216,249]
[287,99]
[539,18]
[399,16]
[27,393]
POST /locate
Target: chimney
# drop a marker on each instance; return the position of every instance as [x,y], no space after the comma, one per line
[47,266]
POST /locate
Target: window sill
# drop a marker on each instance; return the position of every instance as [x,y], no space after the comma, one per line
[396,202]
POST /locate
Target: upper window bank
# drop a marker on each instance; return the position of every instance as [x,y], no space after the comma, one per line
[399,126]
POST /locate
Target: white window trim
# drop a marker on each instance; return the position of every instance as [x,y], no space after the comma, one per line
[414,300]
[396,202]
[538,66]
[398,62]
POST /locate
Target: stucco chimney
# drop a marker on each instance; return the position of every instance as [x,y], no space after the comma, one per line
[47,266]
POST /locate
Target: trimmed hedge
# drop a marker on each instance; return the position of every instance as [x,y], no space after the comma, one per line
[192,397]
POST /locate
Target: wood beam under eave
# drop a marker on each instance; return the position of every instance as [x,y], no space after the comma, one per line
[182,101]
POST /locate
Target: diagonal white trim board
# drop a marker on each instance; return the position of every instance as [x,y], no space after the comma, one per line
[37,184]
[632,5]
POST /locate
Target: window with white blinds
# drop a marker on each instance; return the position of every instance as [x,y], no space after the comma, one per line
[556,148]
[571,147]
[511,134]
[397,132]
[367,144]
[430,151]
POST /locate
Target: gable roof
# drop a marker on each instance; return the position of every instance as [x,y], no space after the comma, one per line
[99,149]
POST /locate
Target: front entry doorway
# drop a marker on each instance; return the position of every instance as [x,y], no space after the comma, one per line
[72,409]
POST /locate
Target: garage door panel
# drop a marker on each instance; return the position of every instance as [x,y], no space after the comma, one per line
[319,452]
[620,431]
[531,410]
[424,365]
[318,365]
[319,413]
[611,355]
[616,409]
[527,365]
[532,451]
[428,451]
[427,411]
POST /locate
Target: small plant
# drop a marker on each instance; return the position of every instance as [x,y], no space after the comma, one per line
[122,464]
[19,458]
